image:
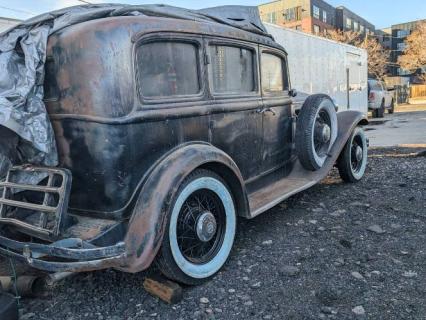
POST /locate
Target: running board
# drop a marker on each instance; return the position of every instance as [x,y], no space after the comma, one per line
[277,188]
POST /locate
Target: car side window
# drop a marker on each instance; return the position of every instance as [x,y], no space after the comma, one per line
[274,73]
[167,69]
[232,69]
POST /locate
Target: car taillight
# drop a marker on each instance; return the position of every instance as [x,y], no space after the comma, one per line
[371,96]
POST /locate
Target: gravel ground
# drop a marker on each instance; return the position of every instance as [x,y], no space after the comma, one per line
[335,251]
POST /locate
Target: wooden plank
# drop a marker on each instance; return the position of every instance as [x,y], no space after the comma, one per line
[162,288]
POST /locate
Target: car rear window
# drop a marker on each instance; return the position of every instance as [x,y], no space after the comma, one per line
[374,85]
[231,70]
[274,77]
[168,69]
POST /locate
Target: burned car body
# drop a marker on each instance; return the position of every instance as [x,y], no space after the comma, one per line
[165,128]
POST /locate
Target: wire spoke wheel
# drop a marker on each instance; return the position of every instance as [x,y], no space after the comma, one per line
[200,226]
[357,154]
[201,229]
[322,133]
[352,162]
[316,131]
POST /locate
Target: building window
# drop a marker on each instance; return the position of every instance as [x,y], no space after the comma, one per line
[356,25]
[403,72]
[271,17]
[231,69]
[324,16]
[401,46]
[274,75]
[402,33]
[316,12]
[317,29]
[293,14]
[168,68]
[367,31]
[348,23]
[361,28]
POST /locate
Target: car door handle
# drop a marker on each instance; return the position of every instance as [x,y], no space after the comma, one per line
[265,110]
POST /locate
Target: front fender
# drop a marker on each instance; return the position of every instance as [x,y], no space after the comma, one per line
[148,220]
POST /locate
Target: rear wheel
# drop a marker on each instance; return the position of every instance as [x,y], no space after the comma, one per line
[200,229]
[352,161]
[381,110]
[392,107]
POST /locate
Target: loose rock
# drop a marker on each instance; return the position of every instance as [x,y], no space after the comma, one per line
[359,310]
[376,229]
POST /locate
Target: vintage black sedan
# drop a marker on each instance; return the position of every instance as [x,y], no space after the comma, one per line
[168,131]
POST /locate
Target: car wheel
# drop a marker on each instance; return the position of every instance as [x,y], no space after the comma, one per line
[352,161]
[201,226]
[392,107]
[381,110]
[316,131]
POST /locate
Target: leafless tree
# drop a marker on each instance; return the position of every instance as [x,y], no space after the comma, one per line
[378,57]
[414,56]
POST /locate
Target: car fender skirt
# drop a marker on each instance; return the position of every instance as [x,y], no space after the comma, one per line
[147,223]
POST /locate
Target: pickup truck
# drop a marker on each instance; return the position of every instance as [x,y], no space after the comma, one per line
[380,98]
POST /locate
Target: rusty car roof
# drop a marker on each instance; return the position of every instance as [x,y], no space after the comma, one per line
[139,26]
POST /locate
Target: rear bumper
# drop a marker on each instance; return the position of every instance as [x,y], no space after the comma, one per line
[67,255]
[65,250]
[373,106]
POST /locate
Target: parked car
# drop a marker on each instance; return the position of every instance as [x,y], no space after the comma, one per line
[380,98]
[168,130]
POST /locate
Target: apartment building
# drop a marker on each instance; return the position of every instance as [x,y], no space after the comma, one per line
[346,20]
[313,16]
[399,33]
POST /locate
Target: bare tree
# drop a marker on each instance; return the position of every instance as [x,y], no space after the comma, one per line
[378,57]
[414,56]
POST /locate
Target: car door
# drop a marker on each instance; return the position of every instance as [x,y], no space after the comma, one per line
[277,144]
[233,81]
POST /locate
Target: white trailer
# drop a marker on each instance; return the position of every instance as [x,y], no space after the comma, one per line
[319,65]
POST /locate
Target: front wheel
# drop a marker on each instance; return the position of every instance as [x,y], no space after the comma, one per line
[200,230]
[352,161]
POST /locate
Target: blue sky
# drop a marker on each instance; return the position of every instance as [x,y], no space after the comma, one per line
[382,13]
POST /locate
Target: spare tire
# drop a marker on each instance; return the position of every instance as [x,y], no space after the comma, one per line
[316,131]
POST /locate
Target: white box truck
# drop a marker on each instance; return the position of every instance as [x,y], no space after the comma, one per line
[319,65]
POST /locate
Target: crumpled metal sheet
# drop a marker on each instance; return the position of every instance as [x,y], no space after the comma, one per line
[22,58]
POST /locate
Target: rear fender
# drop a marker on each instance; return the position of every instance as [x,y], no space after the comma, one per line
[148,221]
[347,122]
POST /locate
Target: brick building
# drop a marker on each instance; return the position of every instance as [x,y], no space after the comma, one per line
[313,16]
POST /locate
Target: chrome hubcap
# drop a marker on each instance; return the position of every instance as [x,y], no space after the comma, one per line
[206,226]
[358,153]
[323,133]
